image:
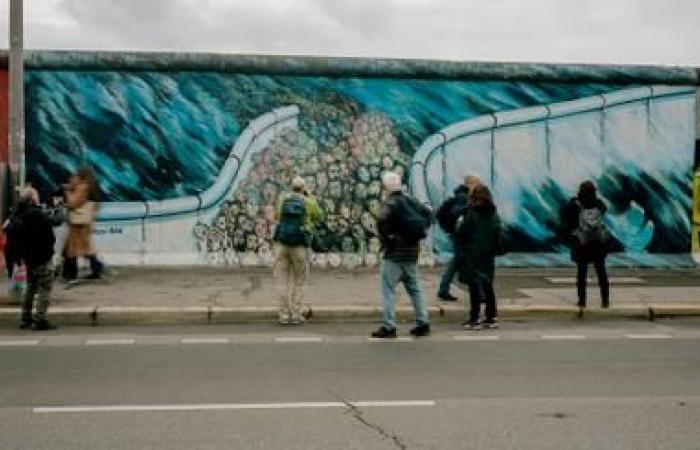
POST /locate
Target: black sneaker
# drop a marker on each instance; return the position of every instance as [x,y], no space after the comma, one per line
[605,305]
[421,330]
[447,297]
[473,326]
[384,333]
[490,324]
[43,325]
[25,324]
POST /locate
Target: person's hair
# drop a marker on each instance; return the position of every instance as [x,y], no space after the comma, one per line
[480,195]
[586,190]
[471,180]
[299,184]
[86,174]
[29,195]
[391,181]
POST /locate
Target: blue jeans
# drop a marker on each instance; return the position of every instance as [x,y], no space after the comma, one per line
[391,273]
[447,276]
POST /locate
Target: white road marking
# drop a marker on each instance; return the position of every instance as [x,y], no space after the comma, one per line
[298,339]
[396,339]
[110,342]
[22,343]
[649,336]
[205,341]
[612,280]
[486,337]
[229,406]
[555,337]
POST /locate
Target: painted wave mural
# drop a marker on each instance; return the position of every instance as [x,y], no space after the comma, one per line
[156,136]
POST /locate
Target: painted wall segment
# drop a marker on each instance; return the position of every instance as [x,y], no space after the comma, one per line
[533,158]
[190,163]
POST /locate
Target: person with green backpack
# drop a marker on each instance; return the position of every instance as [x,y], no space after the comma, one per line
[298,214]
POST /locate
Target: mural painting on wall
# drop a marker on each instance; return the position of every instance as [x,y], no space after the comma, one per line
[158,135]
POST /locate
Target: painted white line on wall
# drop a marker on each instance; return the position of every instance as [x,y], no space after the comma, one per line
[477,338]
[110,342]
[649,336]
[563,337]
[205,341]
[229,406]
[298,339]
[22,343]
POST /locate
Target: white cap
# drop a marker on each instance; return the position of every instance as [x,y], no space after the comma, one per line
[391,181]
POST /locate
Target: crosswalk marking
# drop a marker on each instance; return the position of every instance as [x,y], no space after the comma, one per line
[649,336]
[396,339]
[205,340]
[298,339]
[231,406]
[110,342]
[485,337]
[555,337]
[19,343]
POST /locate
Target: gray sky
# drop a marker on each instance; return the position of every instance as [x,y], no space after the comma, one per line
[593,31]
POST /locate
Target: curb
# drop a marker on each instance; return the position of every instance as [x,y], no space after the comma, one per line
[202,315]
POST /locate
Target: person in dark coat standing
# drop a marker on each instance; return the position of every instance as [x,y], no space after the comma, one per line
[35,249]
[447,216]
[584,230]
[400,257]
[478,241]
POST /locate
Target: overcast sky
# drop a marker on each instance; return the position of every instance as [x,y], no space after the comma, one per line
[593,31]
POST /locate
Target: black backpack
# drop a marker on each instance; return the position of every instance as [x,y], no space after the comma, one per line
[448,213]
[411,220]
[290,228]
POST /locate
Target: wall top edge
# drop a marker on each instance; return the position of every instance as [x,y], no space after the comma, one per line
[354,67]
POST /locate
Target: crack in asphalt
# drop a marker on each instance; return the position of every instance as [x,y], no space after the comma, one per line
[358,415]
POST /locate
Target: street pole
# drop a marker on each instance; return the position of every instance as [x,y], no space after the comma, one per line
[16,99]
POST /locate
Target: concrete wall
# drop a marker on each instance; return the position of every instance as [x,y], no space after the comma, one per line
[191,151]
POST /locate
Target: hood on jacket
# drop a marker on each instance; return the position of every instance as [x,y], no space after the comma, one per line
[461,190]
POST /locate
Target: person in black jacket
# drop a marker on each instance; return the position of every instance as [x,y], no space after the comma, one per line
[400,259]
[447,215]
[478,241]
[35,249]
[583,228]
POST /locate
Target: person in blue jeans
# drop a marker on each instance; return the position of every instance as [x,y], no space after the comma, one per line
[447,216]
[400,257]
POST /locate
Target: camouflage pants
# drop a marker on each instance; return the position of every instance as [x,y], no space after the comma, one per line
[291,272]
[39,283]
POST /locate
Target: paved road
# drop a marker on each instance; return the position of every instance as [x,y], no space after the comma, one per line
[593,385]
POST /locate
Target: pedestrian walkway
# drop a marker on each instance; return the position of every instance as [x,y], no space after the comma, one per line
[216,295]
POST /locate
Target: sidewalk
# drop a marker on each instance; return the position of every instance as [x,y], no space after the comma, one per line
[219,295]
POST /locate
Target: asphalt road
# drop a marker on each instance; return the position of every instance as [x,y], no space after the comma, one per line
[567,385]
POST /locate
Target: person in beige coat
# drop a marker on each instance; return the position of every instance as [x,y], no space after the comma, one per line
[82,198]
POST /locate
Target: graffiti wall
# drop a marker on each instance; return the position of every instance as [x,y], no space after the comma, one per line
[190,163]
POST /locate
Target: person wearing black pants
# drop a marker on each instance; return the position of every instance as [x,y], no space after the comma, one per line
[583,227]
[482,292]
[581,280]
[478,239]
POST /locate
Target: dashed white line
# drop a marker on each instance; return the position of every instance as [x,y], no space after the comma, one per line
[396,339]
[298,339]
[563,337]
[486,337]
[22,343]
[649,336]
[110,342]
[205,341]
[229,406]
